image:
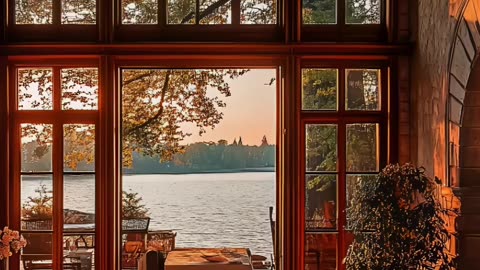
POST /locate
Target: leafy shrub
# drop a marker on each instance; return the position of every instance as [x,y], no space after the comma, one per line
[398,222]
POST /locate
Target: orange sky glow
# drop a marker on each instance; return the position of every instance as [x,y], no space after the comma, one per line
[250,111]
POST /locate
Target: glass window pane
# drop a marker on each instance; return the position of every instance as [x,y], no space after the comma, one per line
[362,147]
[363,89]
[79,202]
[36,148]
[225,205]
[211,14]
[139,11]
[35,90]
[258,12]
[33,12]
[355,183]
[78,250]
[321,147]
[37,252]
[319,11]
[79,88]
[363,11]
[319,89]
[37,202]
[78,11]
[321,201]
[181,12]
[79,148]
[321,251]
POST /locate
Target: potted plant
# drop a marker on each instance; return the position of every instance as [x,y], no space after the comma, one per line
[398,222]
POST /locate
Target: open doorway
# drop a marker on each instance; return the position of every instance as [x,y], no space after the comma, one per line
[199,161]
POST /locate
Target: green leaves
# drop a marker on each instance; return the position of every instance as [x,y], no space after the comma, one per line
[132,206]
[156,102]
[406,222]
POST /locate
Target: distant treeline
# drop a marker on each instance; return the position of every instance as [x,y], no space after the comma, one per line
[208,157]
[197,157]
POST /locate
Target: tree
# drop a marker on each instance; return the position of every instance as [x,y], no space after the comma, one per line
[319,92]
[132,206]
[154,102]
[39,206]
[357,11]
[398,222]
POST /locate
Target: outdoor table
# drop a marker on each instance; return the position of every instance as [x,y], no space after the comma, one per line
[205,259]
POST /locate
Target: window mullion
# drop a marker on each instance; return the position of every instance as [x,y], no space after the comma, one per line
[57,163]
[235,12]
[341,167]
[341,9]
[341,186]
[162,13]
[197,12]
[56,12]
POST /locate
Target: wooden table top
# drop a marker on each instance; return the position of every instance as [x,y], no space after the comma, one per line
[209,259]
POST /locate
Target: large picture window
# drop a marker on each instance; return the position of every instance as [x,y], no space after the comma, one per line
[177,125]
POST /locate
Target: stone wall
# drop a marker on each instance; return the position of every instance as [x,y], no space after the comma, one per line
[434,33]
[446,109]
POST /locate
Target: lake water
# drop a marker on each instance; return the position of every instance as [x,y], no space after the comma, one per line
[206,210]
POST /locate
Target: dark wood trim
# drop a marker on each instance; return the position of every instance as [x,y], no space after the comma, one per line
[235,12]
[114,156]
[298,196]
[280,162]
[14,158]
[3,21]
[4,145]
[332,51]
[103,177]
[57,166]
[69,33]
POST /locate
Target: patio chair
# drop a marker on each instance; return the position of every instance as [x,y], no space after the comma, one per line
[132,250]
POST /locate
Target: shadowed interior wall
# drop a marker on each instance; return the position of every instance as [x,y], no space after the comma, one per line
[470,174]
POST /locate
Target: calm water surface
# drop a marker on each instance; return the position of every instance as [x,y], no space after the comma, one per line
[206,210]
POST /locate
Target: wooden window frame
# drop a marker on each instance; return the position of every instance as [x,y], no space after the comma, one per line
[54,32]
[341,31]
[57,117]
[164,32]
[214,62]
[341,118]
[290,58]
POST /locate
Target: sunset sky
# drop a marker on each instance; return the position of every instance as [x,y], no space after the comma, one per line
[249,112]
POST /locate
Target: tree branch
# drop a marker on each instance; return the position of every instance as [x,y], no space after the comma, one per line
[160,110]
[206,12]
[141,76]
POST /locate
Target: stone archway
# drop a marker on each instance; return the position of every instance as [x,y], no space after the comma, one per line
[464,130]
[469,174]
